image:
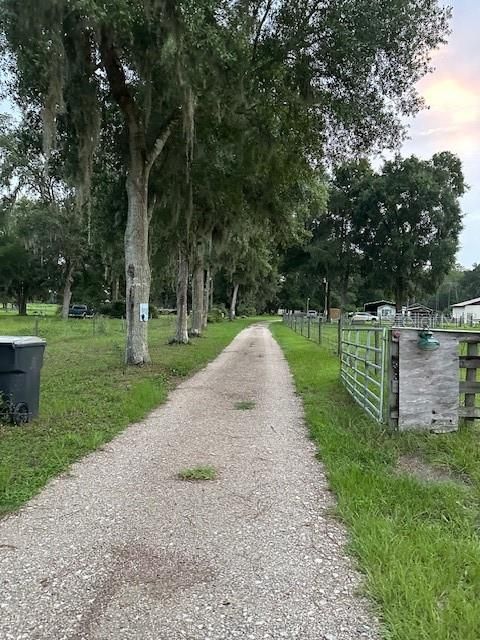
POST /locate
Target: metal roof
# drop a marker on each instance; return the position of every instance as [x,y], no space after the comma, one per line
[381,302]
[467,302]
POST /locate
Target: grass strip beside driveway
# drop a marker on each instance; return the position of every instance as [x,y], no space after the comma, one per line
[416,541]
[87,395]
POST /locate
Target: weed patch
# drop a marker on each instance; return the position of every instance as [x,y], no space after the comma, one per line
[196,474]
[244,405]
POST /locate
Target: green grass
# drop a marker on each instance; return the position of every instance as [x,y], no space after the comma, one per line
[244,405]
[87,395]
[417,542]
[34,308]
[196,474]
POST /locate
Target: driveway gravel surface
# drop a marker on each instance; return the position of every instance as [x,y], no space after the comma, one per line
[119,548]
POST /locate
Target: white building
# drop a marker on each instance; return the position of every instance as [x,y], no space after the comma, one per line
[468,310]
[383,309]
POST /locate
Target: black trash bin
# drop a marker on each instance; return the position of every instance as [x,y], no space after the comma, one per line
[21,359]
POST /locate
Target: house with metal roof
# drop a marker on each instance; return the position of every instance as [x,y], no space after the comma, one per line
[383,309]
[418,310]
[468,310]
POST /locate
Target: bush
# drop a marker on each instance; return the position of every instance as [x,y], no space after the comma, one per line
[216,315]
[246,310]
[113,309]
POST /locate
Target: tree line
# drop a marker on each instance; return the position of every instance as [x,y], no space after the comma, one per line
[391,233]
[169,144]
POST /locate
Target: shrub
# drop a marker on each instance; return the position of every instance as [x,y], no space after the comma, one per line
[216,315]
[113,309]
[246,310]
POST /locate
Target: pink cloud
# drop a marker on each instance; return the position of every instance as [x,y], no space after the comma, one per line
[452,121]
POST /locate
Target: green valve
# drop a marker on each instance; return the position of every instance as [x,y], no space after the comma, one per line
[427,342]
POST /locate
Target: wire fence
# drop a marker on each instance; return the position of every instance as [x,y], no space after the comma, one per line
[418,321]
[315,329]
[363,356]
[52,327]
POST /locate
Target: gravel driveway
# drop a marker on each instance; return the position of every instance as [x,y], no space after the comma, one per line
[121,549]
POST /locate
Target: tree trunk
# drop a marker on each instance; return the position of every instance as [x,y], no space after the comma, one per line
[198,282]
[208,282]
[115,288]
[212,274]
[67,291]
[22,301]
[206,298]
[181,334]
[344,288]
[137,267]
[233,302]
[399,300]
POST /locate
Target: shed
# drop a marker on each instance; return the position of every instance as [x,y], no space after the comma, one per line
[468,310]
[384,309]
[418,310]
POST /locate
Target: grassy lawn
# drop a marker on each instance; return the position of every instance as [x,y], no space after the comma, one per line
[417,541]
[38,308]
[87,396]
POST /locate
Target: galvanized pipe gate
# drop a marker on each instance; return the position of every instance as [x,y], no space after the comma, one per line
[363,360]
[400,381]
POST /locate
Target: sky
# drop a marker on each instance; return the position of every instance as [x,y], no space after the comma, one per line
[452,122]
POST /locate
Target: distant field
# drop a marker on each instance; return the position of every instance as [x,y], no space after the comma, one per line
[37,308]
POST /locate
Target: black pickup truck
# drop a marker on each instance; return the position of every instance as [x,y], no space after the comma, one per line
[80,311]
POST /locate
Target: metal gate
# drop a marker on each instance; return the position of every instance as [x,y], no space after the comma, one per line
[363,363]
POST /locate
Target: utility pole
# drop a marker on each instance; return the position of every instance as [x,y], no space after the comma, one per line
[308,304]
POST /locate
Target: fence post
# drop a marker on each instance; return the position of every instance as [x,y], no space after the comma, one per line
[339,337]
[308,328]
[319,331]
[471,376]
[36,326]
[301,326]
[392,399]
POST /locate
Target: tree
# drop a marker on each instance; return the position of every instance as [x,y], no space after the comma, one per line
[139,48]
[320,76]
[28,260]
[470,284]
[408,224]
[39,205]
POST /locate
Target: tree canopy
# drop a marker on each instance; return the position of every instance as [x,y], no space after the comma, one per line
[199,130]
[395,231]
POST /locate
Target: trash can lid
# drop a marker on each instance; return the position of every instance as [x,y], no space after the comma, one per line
[21,341]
